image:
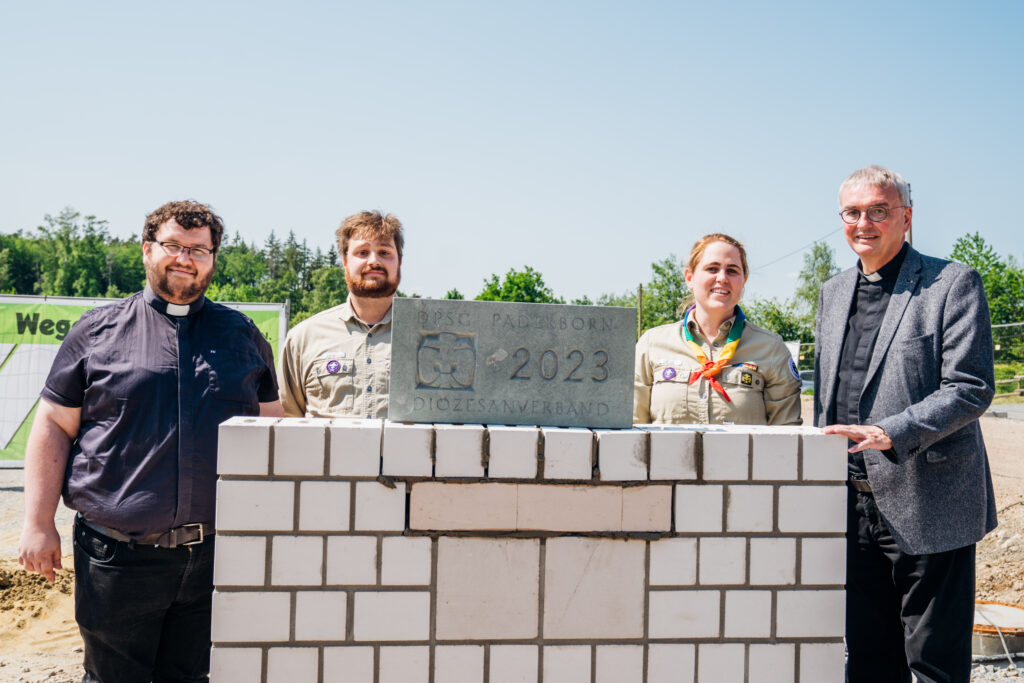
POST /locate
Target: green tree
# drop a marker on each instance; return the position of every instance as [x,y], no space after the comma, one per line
[525,285]
[1003,278]
[454,294]
[819,266]
[781,317]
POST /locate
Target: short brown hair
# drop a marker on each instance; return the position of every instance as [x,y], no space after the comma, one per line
[697,253]
[189,215]
[372,225]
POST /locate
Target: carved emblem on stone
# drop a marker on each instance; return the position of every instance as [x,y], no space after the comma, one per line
[446,360]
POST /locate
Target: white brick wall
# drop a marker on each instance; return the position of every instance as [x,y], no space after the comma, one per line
[688,554]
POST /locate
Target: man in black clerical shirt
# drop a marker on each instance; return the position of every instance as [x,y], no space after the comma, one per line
[127,430]
[904,370]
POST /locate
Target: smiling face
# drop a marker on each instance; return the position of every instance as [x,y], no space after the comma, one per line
[372,267]
[875,243]
[178,279]
[718,279]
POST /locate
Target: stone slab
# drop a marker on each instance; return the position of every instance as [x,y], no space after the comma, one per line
[491,362]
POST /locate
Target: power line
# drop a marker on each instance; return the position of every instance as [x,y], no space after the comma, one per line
[797,251]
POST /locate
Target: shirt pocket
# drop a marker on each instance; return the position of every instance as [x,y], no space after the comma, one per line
[669,393]
[746,394]
[234,374]
[331,382]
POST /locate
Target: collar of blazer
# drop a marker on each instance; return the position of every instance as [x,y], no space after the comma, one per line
[836,301]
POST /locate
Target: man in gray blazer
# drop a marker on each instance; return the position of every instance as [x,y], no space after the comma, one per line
[904,371]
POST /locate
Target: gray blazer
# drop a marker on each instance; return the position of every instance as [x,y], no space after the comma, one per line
[929,379]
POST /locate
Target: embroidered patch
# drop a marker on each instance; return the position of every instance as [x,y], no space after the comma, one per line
[668,373]
[333,366]
[746,378]
[792,368]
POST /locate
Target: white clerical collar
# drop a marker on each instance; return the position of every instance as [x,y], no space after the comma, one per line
[178,310]
[870,277]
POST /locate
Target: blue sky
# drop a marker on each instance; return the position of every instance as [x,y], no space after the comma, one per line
[585,139]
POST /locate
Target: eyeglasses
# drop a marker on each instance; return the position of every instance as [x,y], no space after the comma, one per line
[195,253]
[875,214]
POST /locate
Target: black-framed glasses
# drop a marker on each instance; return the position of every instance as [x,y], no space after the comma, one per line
[195,253]
[875,214]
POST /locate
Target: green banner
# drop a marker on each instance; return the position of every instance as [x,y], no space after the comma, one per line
[31,331]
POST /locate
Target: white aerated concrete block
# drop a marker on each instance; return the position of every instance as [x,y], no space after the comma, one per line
[674,562]
[299,445]
[379,507]
[775,456]
[698,508]
[240,561]
[684,614]
[567,453]
[749,508]
[722,561]
[772,561]
[243,445]
[567,663]
[355,447]
[290,664]
[297,560]
[812,509]
[405,561]
[409,664]
[351,560]
[726,456]
[250,617]
[459,450]
[720,662]
[824,457]
[236,664]
[459,664]
[398,615]
[621,454]
[512,452]
[349,664]
[671,663]
[324,505]
[620,664]
[748,614]
[823,561]
[406,450]
[776,663]
[822,662]
[513,664]
[320,615]
[810,614]
[255,505]
[673,454]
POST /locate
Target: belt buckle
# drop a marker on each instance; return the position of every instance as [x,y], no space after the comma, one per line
[199,526]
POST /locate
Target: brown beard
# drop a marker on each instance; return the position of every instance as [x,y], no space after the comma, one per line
[159,282]
[372,289]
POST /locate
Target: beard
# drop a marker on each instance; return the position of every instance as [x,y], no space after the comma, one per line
[372,289]
[175,292]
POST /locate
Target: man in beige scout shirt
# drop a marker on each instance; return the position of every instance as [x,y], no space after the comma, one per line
[336,363]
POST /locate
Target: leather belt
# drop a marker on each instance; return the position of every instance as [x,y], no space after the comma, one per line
[859,485]
[186,534]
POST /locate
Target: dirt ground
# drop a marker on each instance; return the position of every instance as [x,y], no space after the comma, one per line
[39,640]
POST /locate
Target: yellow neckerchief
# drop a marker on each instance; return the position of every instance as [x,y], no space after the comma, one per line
[712,368]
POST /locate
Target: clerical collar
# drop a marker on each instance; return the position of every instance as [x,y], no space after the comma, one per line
[890,271]
[177,310]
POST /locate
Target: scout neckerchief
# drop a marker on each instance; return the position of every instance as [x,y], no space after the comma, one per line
[711,368]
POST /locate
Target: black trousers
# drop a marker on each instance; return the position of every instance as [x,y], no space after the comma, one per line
[144,612]
[904,613]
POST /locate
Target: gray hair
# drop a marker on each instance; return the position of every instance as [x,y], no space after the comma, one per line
[878,176]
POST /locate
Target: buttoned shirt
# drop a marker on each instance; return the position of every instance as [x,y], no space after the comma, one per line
[760,378]
[335,365]
[870,300]
[154,381]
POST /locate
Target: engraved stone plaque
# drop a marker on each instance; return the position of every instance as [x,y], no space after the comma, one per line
[492,362]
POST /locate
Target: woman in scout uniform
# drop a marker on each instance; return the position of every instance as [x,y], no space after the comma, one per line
[715,366]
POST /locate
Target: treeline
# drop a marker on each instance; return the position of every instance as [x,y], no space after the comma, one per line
[75,255]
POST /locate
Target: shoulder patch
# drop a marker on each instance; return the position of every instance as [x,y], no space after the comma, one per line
[792,368]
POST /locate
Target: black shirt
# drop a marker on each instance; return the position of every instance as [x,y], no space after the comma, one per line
[870,300]
[153,388]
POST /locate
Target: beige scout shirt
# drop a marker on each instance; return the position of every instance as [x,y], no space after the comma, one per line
[335,365]
[764,391]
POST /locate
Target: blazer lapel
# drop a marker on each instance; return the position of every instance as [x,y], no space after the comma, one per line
[833,328]
[907,281]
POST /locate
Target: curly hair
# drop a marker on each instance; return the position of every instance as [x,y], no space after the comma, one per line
[189,215]
[370,225]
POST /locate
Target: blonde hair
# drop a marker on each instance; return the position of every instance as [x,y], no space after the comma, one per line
[701,245]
